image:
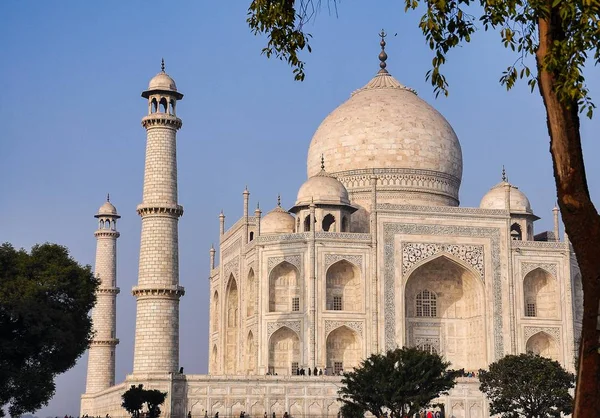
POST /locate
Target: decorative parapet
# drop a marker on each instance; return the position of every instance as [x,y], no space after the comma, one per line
[445,210]
[343,236]
[147,209]
[301,236]
[170,292]
[237,226]
[547,245]
[161,119]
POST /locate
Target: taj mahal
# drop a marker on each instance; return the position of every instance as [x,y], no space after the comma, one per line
[376,253]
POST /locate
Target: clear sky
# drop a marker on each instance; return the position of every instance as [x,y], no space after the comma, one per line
[71,74]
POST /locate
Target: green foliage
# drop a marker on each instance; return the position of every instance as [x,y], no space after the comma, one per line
[447,24]
[527,385]
[403,381]
[45,297]
[135,398]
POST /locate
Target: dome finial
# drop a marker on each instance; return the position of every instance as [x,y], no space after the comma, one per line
[162,65]
[322,162]
[504,178]
[278,200]
[382,55]
[108,197]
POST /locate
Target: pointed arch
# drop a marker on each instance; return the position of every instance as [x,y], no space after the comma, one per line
[540,294]
[284,351]
[214,313]
[214,361]
[343,287]
[284,288]
[163,105]
[250,353]
[343,350]
[307,223]
[328,223]
[516,234]
[231,325]
[250,293]
[441,297]
[446,255]
[543,345]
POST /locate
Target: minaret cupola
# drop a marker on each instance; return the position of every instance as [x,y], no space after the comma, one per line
[162,98]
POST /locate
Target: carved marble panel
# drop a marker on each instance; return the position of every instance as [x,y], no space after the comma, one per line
[295,260]
[274,326]
[334,258]
[356,326]
[231,267]
[529,267]
[414,252]
[552,331]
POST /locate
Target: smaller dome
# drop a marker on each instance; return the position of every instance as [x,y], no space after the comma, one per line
[322,189]
[278,221]
[107,209]
[162,81]
[494,199]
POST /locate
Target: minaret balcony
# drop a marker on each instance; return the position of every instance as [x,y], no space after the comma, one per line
[161,119]
[108,290]
[170,292]
[104,341]
[174,209]
[107,233]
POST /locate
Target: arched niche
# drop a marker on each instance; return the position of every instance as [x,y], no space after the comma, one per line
[307,223]
[284,350]
[214,361]
[343,287]
[328,224]
[231,325]
[214,313]
[445,312]
[540,294]
[250,354]
[515,232]
[284,288]
[251,294]
[163,105]
[543,344]
[343,350]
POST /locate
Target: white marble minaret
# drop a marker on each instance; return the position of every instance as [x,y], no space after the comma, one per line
[101,359]
[158,290]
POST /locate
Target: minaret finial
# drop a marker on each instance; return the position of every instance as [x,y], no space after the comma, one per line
[382,55]
[278,200]
[504,178]
[162,65]
[322,162]
[108,197]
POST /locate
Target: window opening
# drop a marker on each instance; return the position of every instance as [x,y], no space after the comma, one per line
[530,308]
[338,367]
[295,304]
[337,303]
[294,368]
[426,304]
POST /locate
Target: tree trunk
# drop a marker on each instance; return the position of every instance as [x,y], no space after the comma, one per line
[579,215]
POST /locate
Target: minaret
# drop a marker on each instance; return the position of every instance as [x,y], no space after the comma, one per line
[101,358]
[158,290]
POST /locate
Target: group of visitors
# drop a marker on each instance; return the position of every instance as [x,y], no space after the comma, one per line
[470,374]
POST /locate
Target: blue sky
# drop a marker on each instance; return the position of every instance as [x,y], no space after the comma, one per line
[71,74]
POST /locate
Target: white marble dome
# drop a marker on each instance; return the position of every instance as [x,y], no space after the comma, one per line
[107,209]
[386,129]
[278,221]
[322,189]
[162,81]
[494,199]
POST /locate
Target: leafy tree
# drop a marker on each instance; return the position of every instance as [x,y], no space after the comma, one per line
[155,398]
[562,36]
[133,400]
[402,381]
[45,297]
[136,396]
[527,385]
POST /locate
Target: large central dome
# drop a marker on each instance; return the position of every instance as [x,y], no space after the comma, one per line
[386,130]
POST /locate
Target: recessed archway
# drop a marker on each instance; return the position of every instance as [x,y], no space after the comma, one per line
[284,351]
[542,344]
[328,223]
[539,294]
[250,354]
[444,310]
[343,287]
[214,314]
[343,350]
[231,326]
[250,294]
[214,361]
[284,288]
